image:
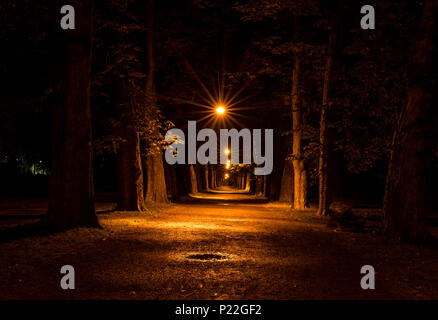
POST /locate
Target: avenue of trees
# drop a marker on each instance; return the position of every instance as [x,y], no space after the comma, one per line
[344,102]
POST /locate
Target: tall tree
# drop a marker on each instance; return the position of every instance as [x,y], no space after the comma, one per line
[405,185]
[129,166]
[327,96]
[128,110]
[299,176]
[72,195]
[193,179]
[156,183]
[289,15]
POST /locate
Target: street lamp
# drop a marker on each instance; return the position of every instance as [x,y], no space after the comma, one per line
[227,151]
[220,110]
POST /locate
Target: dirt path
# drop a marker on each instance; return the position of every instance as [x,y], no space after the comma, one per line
[267,254]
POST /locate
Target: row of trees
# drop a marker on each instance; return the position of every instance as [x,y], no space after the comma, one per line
[331,91]
[405,183]
[385,74]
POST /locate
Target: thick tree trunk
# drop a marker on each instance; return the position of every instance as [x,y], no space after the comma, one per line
[129,170]
[129,162]
[71,200]
[405,184]
[156,184]
[299,176]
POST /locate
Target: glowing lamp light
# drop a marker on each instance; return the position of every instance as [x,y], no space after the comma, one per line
[227,176]
[220,110]
[227,151]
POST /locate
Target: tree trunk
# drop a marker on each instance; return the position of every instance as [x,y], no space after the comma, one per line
[248,182]
[71,200]
[129,170]
[324,199]
[405,184]
[199,176]
[265,186]
[156,184]
[193,180]
[210,177]
[206,177]
[259,186]
[299,176]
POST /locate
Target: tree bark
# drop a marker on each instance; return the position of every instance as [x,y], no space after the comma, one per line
[248,182]
[259,186]
[129,162]
[193,179]
[199,176]
[405,185]
[324,199]
[156,184]
[299,176]
[206,177]
[266,186]
[210,177]
[71,200]
[129,170]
